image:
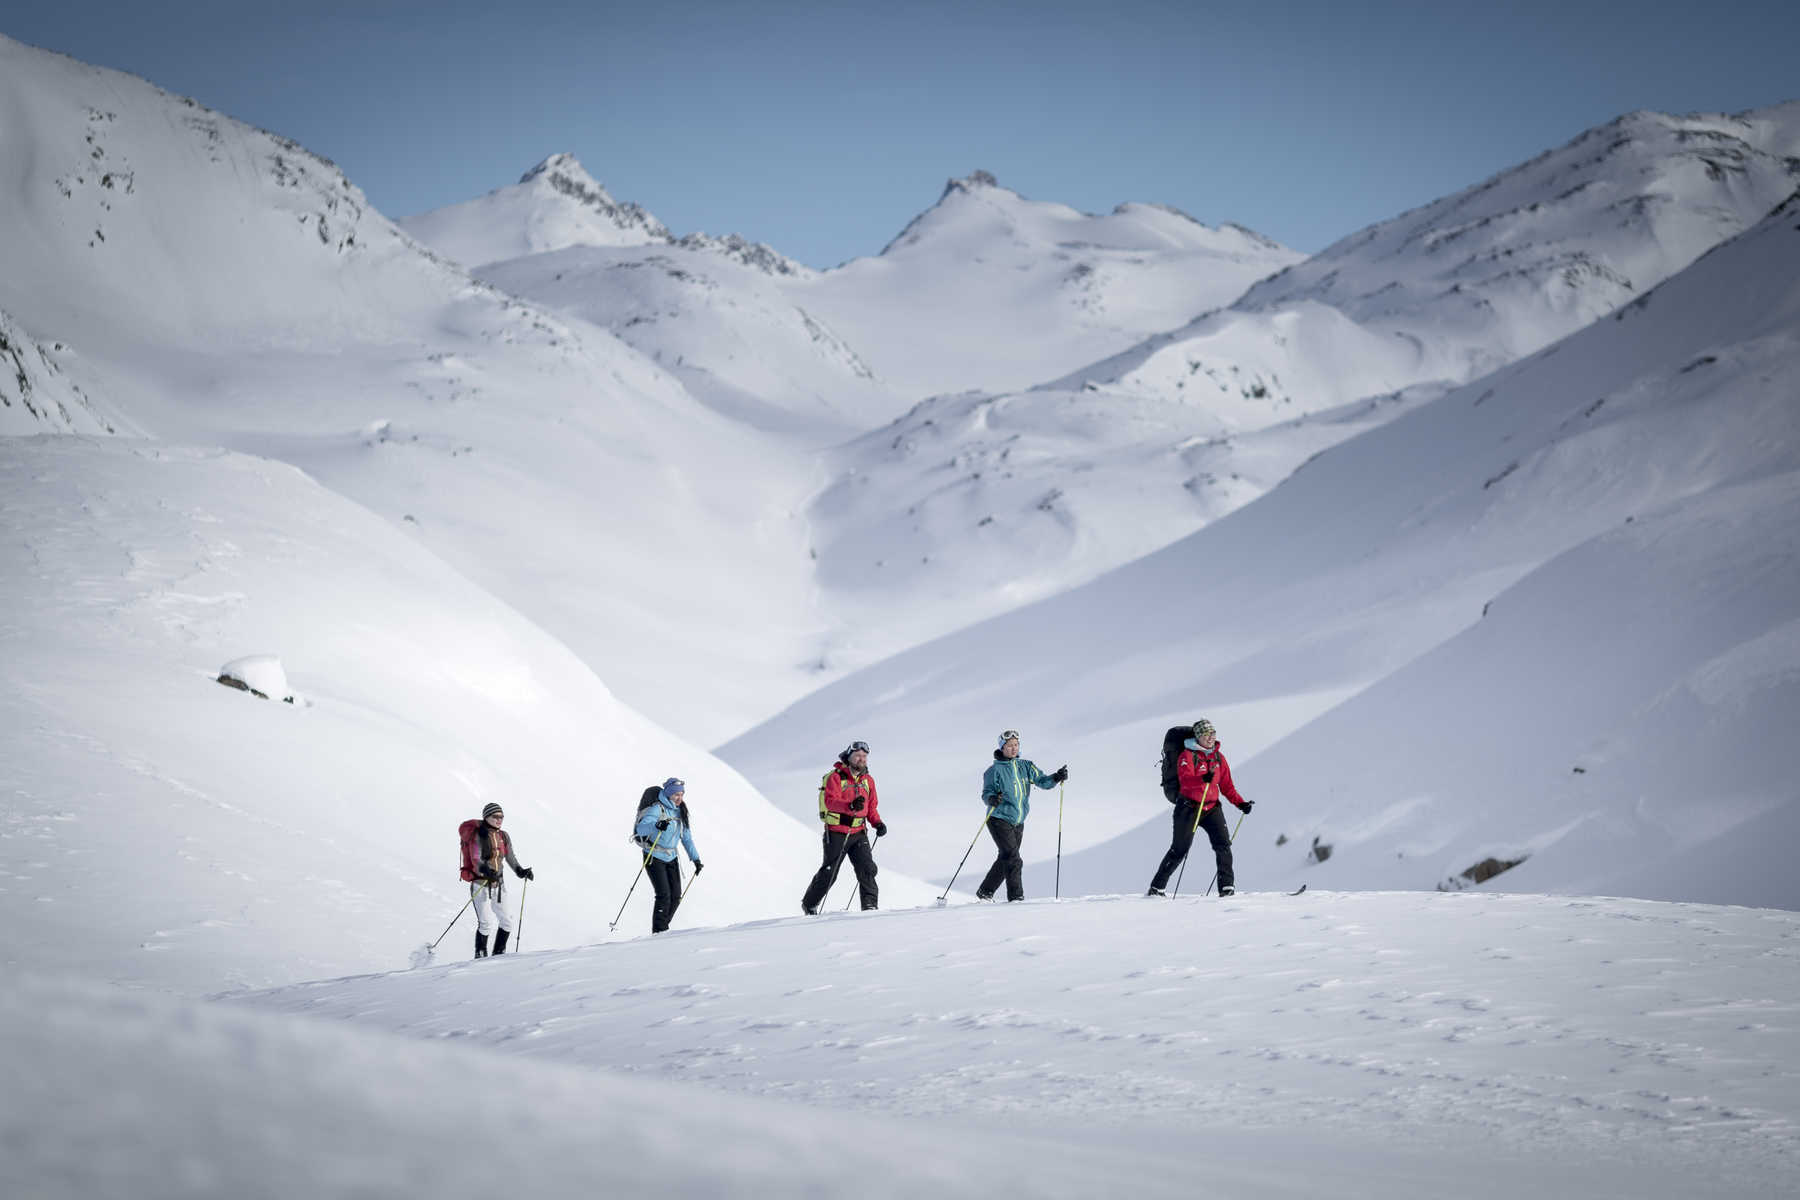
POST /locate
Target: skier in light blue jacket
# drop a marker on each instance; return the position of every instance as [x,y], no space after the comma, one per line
[661,824]
[1006,790]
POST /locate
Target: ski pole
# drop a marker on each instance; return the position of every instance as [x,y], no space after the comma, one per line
[634,883]
[1060,789]
[941,900]
[453,921]
[1196,829]
[687,886]
[857,890]
[836,864]
[519,936]
[1234,829]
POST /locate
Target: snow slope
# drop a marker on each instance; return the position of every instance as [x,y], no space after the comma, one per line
[1626,500]
[1375,1044]
[986,499]
[161,829]
[987,289]
[212,284]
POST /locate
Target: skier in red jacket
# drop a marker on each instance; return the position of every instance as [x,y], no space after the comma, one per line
[848,806]
[1204,776]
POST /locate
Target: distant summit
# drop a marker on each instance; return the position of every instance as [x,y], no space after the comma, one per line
[564,175]
[557,205]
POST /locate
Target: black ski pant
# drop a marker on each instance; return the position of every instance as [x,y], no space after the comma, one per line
[838,847]
[1010,865]
[1214,824]
[665,877]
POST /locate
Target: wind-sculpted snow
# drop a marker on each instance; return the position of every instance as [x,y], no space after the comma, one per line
[1397,1044]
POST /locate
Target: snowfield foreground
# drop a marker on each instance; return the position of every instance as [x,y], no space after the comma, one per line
[1368,1044]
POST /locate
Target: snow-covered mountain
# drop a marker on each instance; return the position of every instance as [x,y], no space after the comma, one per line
[984,288]
[990,290]
[1625,500]
[207,283]
[986,500]
[175,832]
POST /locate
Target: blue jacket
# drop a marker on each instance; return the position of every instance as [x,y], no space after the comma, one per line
[1007,786]
[661,843]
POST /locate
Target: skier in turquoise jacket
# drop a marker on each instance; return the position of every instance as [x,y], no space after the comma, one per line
[1006,790]
[661,824]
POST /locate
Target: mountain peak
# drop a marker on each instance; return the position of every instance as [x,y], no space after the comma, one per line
[974,180]
[564,164]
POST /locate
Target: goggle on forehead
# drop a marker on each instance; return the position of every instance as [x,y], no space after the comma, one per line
[863,746]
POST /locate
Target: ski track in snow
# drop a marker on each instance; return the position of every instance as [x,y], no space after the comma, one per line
[1581,1030]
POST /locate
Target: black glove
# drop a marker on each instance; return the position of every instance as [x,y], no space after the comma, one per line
[1062,774]
[1206,776]
[527,873]
[662,824]
[1247,805]
[881,829]
[699,867]
[489,872]
[858,804]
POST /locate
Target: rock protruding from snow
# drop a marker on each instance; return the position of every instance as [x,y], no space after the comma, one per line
[260,675]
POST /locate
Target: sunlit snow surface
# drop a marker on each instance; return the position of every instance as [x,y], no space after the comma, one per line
[1393,1042]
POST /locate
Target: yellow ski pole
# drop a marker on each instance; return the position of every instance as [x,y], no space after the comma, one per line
[1196,829]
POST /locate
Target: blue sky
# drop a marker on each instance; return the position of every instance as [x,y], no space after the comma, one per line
[823,128]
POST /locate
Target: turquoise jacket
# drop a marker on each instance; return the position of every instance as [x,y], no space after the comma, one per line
[1007,787]
[661,843]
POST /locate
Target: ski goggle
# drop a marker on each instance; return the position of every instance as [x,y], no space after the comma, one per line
[855,746]
[1011,735]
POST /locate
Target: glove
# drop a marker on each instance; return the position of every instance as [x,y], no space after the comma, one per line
[1062,774]
[662,824]
[858,804]
[699,866]
[527,873]
[489,873]
[1247,805]
[881,829]
[1206,776]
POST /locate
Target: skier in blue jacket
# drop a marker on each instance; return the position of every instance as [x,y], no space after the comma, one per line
[1006,790]
[660,825]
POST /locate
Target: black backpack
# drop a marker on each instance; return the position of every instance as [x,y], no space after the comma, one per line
[1172,748]
[649,798]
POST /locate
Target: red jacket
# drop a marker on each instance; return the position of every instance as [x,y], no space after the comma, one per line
[840,786]
[1192,770]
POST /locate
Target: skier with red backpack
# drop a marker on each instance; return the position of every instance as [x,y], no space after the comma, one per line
[1194,778]
[485,846]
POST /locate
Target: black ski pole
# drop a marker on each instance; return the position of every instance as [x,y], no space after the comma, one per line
[633,888]
[1059,811]
[1233,841]
[453,921]
[857,890]
[944,899]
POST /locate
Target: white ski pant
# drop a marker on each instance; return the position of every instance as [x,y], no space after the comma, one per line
[490,908]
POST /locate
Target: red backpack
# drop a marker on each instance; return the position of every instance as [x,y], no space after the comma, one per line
[470,833]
